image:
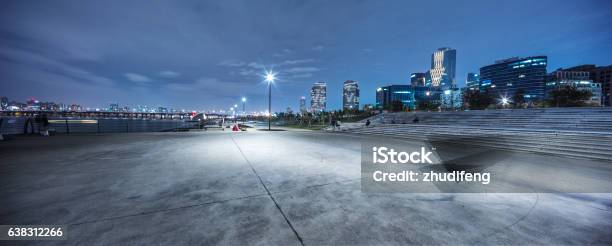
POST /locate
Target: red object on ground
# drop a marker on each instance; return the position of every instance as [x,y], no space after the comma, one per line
[235,128]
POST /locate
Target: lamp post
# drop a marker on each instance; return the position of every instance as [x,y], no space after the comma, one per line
[235,115]
[243,109]
[270,77]
[231,111]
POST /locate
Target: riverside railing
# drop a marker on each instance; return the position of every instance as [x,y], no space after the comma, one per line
[27,125]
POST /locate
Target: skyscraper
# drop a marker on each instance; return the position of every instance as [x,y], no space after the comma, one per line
[303,104]
[350,95]
[473,81]
[508,76]
[318,97]
[442,69]
[417,79]
[4,103]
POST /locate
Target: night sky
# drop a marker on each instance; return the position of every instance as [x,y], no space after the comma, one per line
[206,55]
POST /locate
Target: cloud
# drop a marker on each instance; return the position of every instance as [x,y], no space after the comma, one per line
[52,66]
[169,74]
[249,66]
[299,61]
[134,77]
[232,63]
[318,48]
[179,86]
[214,87]
[256,65]
[367,50]
[238,64]
[44,77]
[248,72]
[301,70]
[301,76]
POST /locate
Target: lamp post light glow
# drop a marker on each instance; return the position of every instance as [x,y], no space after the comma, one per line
[505,101]
[270,77]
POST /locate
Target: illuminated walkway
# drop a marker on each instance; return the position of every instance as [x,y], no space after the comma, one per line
[286,188]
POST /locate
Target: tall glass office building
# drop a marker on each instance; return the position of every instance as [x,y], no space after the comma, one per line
[507,76]
[386,95]
[411,96]
[350,95]
[418,79]
[318,97]
[472,81]
[442,70]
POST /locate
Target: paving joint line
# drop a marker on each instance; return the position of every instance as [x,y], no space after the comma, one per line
[165,210]
[299,238]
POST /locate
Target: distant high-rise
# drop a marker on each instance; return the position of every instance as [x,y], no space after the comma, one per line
[473,81]
[418,79]
[413,96]
[350,95]
[303,104]
[162,110]
[506,77]
[113,107]
[4,103]
[75,108]
[33,104]
[318,97]
[387,95]
[578,79]
[602,75]
[442,70]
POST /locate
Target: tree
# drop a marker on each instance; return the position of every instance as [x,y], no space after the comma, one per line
[428,105]
[518,99]
[568,96]
[477,99]
[397,106]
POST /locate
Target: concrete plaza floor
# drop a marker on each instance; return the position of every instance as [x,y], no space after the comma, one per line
[263,188]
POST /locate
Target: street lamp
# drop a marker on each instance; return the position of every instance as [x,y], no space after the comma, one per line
[243,108]
[505,101]
[270,77]
[235,115]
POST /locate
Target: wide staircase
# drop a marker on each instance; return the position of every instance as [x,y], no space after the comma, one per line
[574,132]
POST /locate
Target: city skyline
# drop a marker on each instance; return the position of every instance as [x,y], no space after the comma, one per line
[54,58]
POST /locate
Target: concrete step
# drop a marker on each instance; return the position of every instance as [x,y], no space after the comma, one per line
[580,152]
